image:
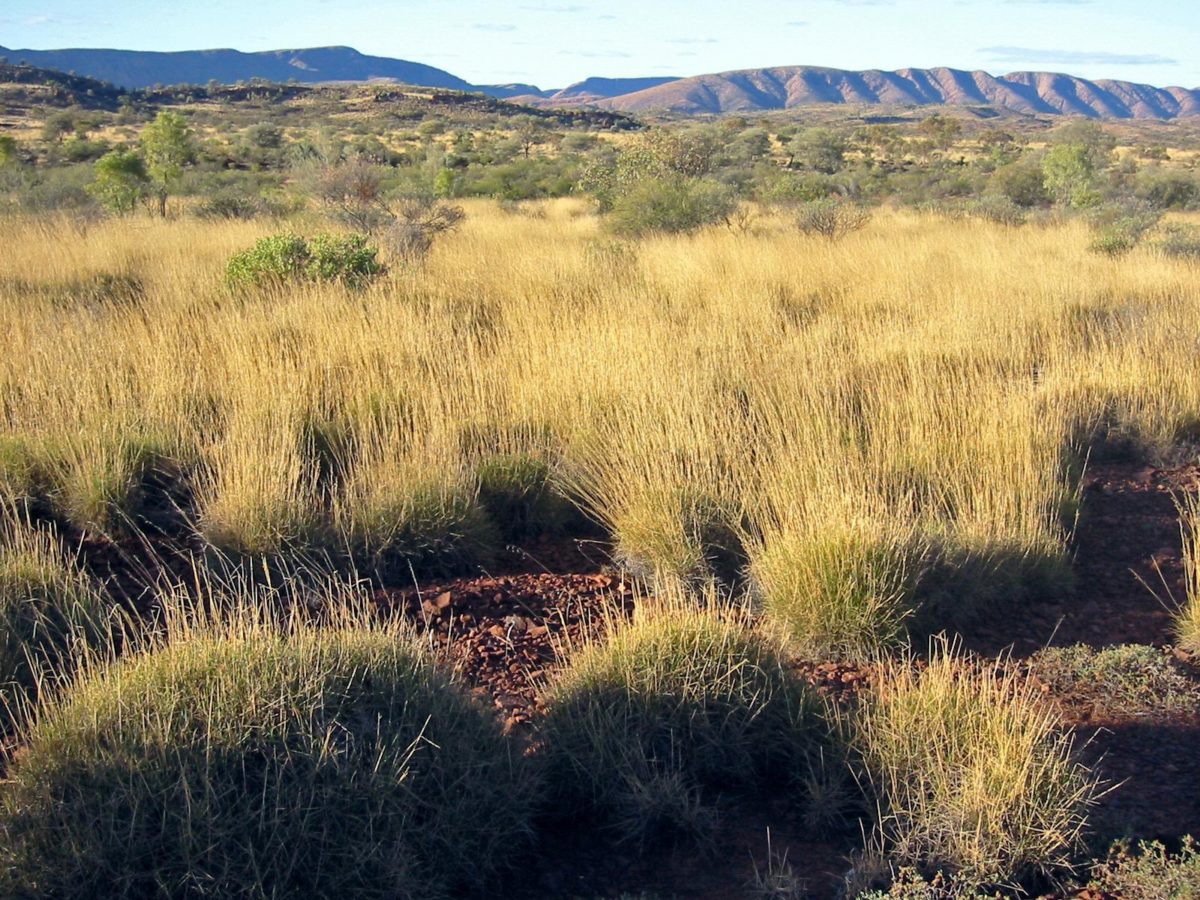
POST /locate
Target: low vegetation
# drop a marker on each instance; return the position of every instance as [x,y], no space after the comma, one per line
[974,778]
[246,760]
[1150,872]
[647,726]
[813,392]
[50,613]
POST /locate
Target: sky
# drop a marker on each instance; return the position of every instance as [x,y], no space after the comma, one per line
[552,43]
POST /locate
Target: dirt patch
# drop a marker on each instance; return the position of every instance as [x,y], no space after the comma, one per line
[506,633]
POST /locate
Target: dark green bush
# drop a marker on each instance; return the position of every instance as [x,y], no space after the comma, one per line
[281,258]
[325,763]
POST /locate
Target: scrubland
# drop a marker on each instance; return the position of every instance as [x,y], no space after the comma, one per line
[853,444]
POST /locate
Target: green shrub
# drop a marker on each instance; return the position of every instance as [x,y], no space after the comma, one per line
[345,258]
[1120,227]
[281,258]
[971,772]
[47,609]
[671,204]
[264,762]
[647,727]
[1151,873]
[1126,680]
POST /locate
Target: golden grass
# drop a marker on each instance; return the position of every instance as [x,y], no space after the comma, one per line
[840,419]
[974,775]
[1187,616]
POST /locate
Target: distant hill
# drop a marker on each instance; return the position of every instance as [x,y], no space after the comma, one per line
[19,84]
[142,69]
[601,88]
[747,90]
[787,87]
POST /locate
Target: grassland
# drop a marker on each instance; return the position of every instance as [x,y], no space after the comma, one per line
[800,451]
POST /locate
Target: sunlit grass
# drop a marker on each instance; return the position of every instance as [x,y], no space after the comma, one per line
[859,431]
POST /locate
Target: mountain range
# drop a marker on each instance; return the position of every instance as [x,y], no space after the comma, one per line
[749,90]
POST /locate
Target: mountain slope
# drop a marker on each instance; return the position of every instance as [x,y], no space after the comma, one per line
[597,88]
[140,69]
[786,87]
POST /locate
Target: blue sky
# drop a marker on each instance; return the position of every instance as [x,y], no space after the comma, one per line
[553,42]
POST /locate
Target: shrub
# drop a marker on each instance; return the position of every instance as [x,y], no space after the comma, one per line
[1168,189]
[1151,873]
[1120,228]
[1126,680]
[644,728]
[345,258]
[670,204]
[231,206]
[417,222]
[253,761]
[281,258]
[972,774]
[832,219]
[47,608]
[1181,242]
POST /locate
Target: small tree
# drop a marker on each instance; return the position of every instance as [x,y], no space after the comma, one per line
[671,204]
[1069,174]
[832,219]
[353,193]
[417,221]
[941,131]
[820,149]
[121,181]
[167,144]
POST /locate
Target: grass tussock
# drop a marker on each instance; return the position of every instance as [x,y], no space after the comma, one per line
[647,727]
[50,612]
[972,774]
[1187,616]
[238,758]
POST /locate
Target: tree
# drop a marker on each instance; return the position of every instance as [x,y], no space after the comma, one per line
[820,149]
[121,181]
[942,131]
[57,126]
[530,131]
[9,150]
[1069,173]
[167,145]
